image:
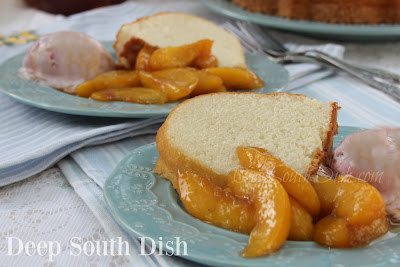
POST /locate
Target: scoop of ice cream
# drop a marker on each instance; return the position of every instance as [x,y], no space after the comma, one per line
[65,59]
[373,156]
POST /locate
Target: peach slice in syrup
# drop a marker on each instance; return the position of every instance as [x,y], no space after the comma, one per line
[212,204]
[301,226]
[273,210]
[350,198]
[111,79]
[237,78]
[327,191]
[208,83]
[143,57]
[295,184]
[176,83]
[337,232]
[179,56]
[135,95]
[206,61]
[358,201]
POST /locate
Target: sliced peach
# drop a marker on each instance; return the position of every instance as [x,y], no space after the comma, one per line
[212,204]
[208,83]
[112,79]
[295,184]
[358,201]
[206,61]
[143,57]
[327,191]
[237,78]
[301,226]
[225,209]
[350,198]
[272,210]
[339,233]
[332,232]
[176,83]
[179,56]
[134,95]
[361,235]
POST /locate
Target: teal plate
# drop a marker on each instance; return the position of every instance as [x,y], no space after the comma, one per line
[146,205]
[274,76]
[380,32]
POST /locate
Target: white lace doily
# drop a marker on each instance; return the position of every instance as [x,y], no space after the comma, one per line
[46,208]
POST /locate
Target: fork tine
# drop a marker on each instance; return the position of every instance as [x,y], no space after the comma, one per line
[250,39]
[246,35]
[247,44]
[261,36]
[232,29]
[248,48]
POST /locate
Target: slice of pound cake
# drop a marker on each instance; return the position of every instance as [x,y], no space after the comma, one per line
[176,29]
[202,134]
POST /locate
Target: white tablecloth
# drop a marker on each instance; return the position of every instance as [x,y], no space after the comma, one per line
[46,207]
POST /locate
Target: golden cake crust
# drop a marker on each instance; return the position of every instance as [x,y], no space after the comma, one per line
[331,11]
[323,157]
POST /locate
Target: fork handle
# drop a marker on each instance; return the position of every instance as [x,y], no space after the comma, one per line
[369,77]
[376,73]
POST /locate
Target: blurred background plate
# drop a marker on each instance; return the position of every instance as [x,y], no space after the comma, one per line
[380,32]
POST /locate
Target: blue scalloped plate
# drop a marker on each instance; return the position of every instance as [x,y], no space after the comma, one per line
[146,205]
[379,32]
[31,93]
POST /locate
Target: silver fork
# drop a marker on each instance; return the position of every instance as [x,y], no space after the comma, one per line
[265,39]
[256,49]
[255,39]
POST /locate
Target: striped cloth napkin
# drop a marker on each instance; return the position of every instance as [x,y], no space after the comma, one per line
[32,139]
